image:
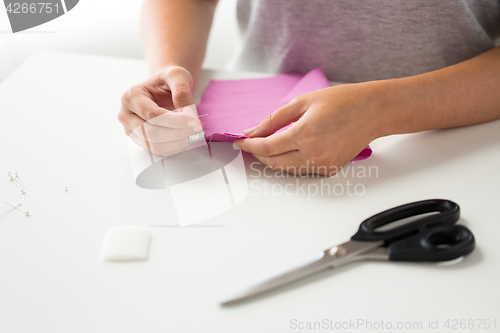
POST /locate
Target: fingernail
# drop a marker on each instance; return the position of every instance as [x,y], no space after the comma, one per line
[250,130]
[192,123]
[197,129]
[236,147]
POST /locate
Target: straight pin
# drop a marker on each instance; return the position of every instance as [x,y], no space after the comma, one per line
[21,181]
[16,207]
[67,189]
[10,210]
[203,115]
[23,192]
[12,179]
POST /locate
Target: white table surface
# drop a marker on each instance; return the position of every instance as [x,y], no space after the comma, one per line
[59,128]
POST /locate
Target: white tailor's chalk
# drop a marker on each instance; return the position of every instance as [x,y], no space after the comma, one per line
[127,243]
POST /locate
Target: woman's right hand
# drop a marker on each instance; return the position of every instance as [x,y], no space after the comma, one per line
[147,112]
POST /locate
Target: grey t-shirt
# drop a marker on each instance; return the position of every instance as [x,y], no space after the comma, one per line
[361,40]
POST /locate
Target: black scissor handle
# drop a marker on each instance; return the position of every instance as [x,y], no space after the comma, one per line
[448,214]
[435,244]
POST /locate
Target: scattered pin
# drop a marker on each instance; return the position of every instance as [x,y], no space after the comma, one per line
[23,192]
[203,115]
[21,181]
[16,207]
[14,177]
[10,210]
[67,189]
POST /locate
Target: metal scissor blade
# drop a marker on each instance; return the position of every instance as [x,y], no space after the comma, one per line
[295,274]
[332,257]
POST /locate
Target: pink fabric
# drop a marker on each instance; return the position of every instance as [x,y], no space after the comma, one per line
[232,106]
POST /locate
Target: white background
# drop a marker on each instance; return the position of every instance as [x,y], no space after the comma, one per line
[53,281]
[110,27]
[51,276]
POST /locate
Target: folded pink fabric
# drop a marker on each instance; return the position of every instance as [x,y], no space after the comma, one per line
[231,106]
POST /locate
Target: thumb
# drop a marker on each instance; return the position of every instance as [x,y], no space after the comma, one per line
[179,82]
[278,119]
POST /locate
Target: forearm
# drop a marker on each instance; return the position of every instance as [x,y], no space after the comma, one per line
[175,33]
[463,94]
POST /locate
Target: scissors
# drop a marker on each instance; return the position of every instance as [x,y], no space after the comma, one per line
[428,237]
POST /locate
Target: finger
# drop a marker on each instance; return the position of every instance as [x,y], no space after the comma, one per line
[156,134]
[164,149]
[137,139]
[139,101]
[129,119]
[276,144]
[280,118]
[177,120]
[179,82]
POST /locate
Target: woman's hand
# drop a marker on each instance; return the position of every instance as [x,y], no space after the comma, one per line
[147,117]
[332,126]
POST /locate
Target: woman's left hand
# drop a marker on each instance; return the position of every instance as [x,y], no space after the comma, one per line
[332,126]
